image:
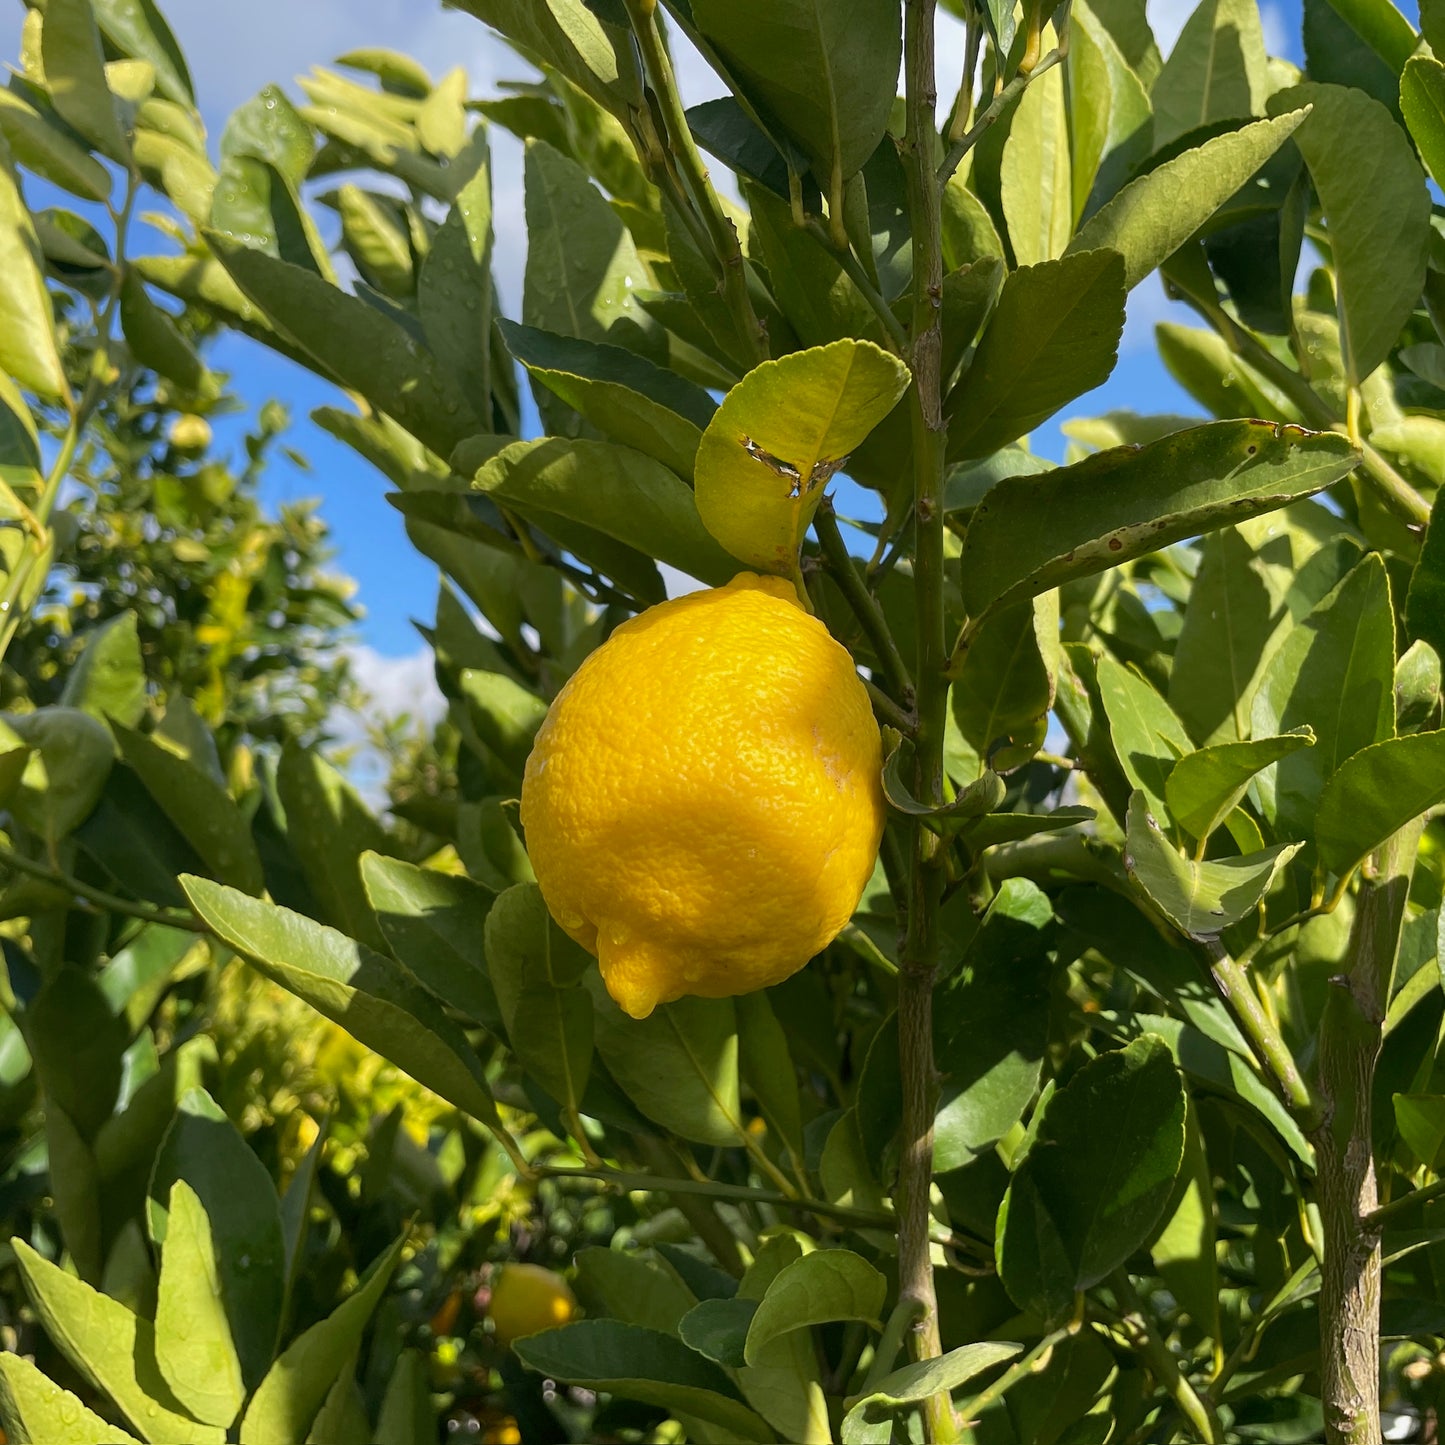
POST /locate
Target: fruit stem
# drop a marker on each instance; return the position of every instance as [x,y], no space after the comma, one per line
[920,958]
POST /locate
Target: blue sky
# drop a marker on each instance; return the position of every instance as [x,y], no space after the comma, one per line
[236,46]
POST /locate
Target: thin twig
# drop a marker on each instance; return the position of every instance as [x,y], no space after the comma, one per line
[995,108]
[98,896]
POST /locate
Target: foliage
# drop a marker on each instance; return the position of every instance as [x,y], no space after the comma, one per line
[1093,1104]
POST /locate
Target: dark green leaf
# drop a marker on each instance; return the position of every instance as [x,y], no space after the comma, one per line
[718,1328]
[329,828]
[76,1042]
[45,148]
[201,809]
[434,923]
[203,1148]
[828,1284]
[630,1287]
[369,995]
[1335,673]
[778,438]
[623,394]
[75,76]
[1097,1178]
[767,1067]
[535,970]
[826,69]
[641,1364]
[1035,532]
[1425,601]
[1373,794]
[1003,687]
[1148,738]
[607,489]
[155,340]
[1053,335]
[354,342]
[70,760]
[1380,234]
[288,1398]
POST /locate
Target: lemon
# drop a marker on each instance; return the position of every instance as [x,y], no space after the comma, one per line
[527,1298]
[703,803]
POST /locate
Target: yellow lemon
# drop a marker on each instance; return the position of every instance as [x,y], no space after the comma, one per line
[527,1298]
[703,805]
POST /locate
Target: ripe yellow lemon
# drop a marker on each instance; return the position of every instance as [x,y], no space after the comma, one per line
[703,804]
[527,1298]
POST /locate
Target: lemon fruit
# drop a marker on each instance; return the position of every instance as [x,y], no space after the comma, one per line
[703,803]
[526,1299]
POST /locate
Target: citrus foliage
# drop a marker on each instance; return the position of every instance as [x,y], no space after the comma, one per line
[1093,1102]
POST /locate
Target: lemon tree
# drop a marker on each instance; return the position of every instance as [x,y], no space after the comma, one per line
[930,939]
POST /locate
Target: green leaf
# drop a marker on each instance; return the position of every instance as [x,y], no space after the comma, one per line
[372,997]
[154,338]
[75,1186]
[1373,794]
[767,1068]
[1148,738]
[75,76]
[1201,899]
[342,1419]
[1205,787]
[1053,335]
[1380,234]
[111,1348]
[374,232]
[981,796]
[641,1364]
[28,348]
[193,1338]
[45,149]
[1422,102]
[202,810]
[628,1287]
[1004,686]
[623,394]
[1425,601]
[70,760]
[1420,1119]
[1334,672]
[454,289]
[778,438]
[1096,1180]
[329,828]
[1229,620]
[203,1148]
[826,69]
[504,714]
[406,1416]
[924,1378]
[611,490]
[679,1065]
[77,1043]
[354,343]
[267,128]
[1032,533]
[36,1411]
[286,1401]
[535,970]
[583,270]
[826,1285]
[1154,215]
[434,923]
[1112,122]
[1216,71]
[1184,1252]
[108,679]
[1036,179]
[718,1328]
[137,29]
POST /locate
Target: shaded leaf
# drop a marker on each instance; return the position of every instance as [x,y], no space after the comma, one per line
[1100,1172]
[718,1328]
[1148,738]
[1380,234]
[75,76]
[45,149]
[1201,899]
